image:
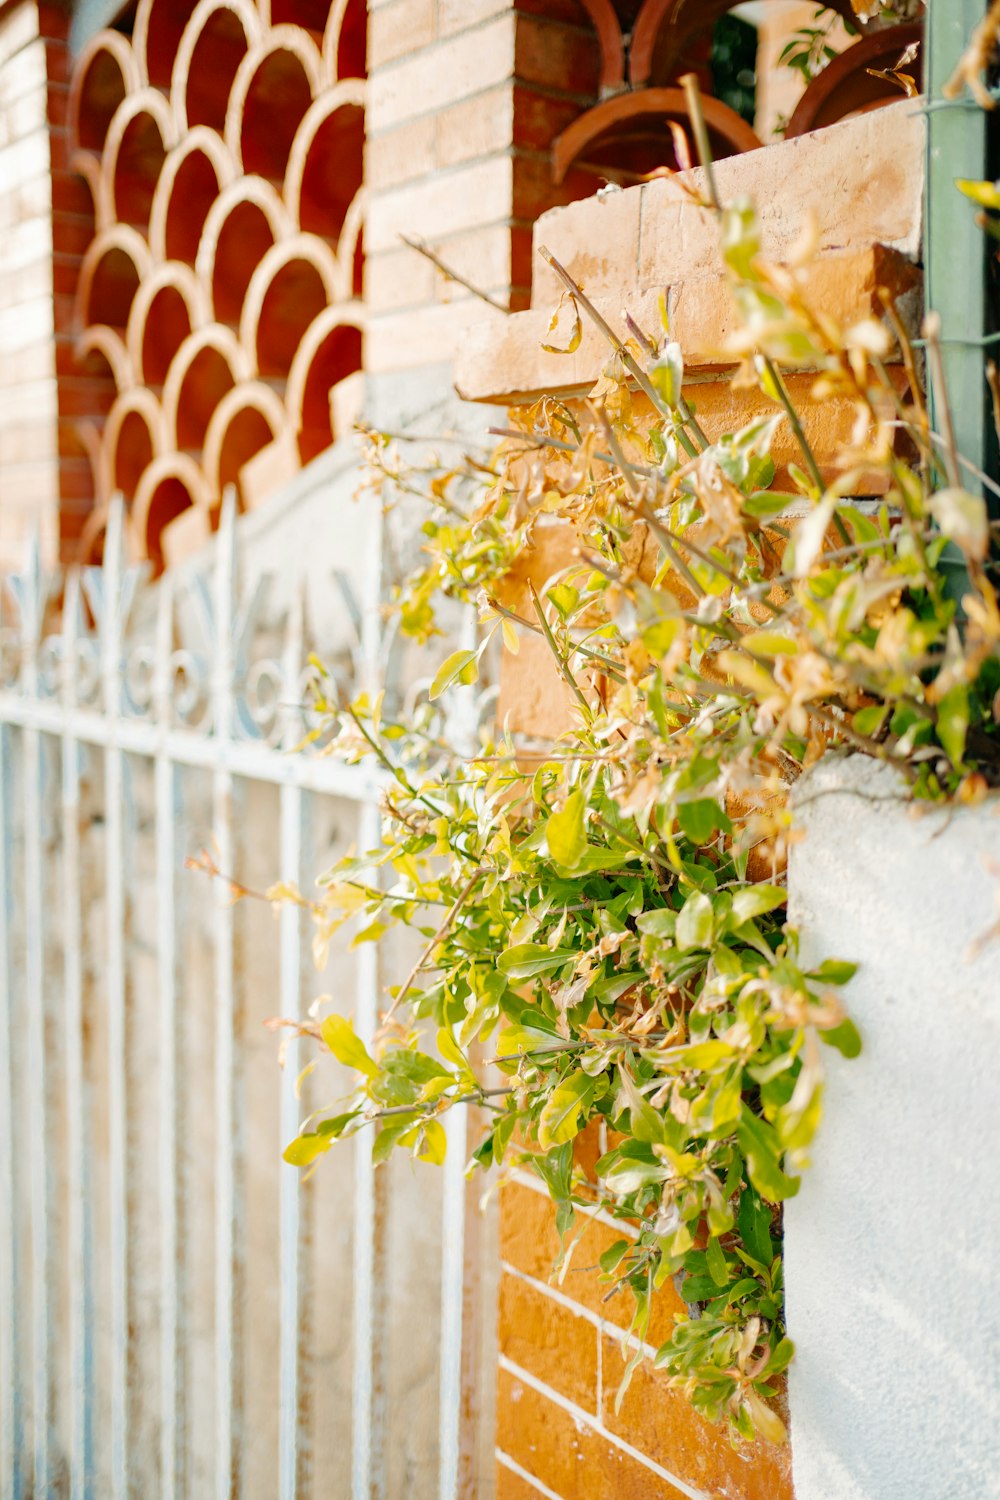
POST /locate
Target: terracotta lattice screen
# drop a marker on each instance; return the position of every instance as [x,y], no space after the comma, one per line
[220,297]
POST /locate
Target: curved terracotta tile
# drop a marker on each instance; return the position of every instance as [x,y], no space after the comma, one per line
[294,282]
[274,87]
[345,40]
[169,306]
[171,485]
[331,351]
[246,219]
[105,73]
[194,174]
[141,133]
[326,162]
[207,365]
[246,419]
[215,40]
[134,434]
[115,264]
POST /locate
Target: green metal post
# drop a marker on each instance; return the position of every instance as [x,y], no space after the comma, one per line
[954,245]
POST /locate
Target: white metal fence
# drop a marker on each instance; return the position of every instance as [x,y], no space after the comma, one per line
[179,1315]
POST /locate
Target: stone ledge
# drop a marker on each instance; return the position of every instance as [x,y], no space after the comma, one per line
[503,359]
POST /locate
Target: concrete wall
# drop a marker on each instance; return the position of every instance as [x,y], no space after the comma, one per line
[893,1281]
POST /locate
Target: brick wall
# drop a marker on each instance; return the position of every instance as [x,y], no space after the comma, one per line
[45,224]
[466,96]
[561,1363]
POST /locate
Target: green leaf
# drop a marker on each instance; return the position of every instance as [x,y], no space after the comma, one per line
[846,1038]
[762,1152]
[306,1148]
[391,1135]
[560,1118]
[753,1220]
[781,1357]
[337,1124]
[953,722]
[565,833]
[613,1256]
[647,1123]
[702,819]
[718,1266]
[461,665]
[754,900]
[694,922]
[869,721]
[346,1046]
[833,971]
[528,960]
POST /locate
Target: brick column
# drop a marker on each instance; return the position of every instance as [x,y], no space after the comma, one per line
[465,98]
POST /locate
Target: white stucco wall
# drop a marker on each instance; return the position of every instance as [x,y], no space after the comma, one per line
[893,1244]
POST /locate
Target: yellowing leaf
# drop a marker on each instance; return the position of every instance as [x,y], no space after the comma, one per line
[963,518]
[576,329]
[434,1143]
[986,194]
[560,1118]
[346,1046]
[460,665]
[565,832]
[305,1148]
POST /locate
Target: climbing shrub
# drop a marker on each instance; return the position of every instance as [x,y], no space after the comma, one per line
[603,917]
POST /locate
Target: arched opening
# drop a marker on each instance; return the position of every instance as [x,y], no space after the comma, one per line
[295,296]
[352,41]
[169,500]
[168,323]
[336,357]
[167,20]
[113,286]
[244,240]
[206,381]
[332,172]
[99,92]
[217,54]
[310,15]
[247,433]
[195,188]
[133,453]
[137,168]
[276,101]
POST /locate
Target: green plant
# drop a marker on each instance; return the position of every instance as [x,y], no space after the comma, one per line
[608,911]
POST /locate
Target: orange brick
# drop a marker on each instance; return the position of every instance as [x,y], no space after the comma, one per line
[528,1241]
[450,70]
[510,1486]
[459,15]
[597,240]
[401,155]
[398,278]
[566,1453]
[429,335]
[398,30]
[461,199]
[475,127]
[661,1422]
[538,118]
[545,1338]
[567,58]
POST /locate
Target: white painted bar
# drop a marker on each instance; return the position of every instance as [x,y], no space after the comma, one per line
[248,759]
[368,1478]
[453,1269]
[12,1363]
[167,800]
[293,1221]
[81,1311]
[228,1127]
[113,612]
[30,590]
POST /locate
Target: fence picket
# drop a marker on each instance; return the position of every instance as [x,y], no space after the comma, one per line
[12,1364]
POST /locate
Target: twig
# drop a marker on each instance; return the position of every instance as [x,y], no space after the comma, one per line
[932,335]
[452,275]
[439,935]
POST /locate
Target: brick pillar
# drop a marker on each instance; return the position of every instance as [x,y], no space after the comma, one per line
[466,97]
[45,223]
[29,452]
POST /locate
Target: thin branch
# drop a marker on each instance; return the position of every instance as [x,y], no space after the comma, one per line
[451,274]
[438,937]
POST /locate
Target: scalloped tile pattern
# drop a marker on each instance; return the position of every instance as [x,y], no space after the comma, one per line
[223,145]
